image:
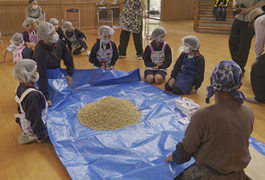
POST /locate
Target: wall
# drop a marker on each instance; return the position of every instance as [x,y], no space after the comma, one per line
[177,9]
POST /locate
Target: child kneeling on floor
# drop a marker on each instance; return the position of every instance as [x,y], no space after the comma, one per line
[188,72]
[32,106]
[104,53]
[157,57]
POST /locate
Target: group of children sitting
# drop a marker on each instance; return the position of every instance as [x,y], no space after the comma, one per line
[186,76]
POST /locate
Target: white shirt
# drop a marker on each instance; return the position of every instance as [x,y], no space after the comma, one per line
[260,35]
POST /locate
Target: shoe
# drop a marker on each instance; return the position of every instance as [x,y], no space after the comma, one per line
[82,49]
[24,139]
[88,52]
[139,57]
[252,100]
[217,20]
[122,56]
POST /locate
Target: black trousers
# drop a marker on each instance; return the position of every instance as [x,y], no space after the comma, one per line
[240,42]
[124,40]
[258,79]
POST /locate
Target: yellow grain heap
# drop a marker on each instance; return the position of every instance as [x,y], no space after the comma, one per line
[109,113]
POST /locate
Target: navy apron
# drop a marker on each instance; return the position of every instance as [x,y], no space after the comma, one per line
[186,77]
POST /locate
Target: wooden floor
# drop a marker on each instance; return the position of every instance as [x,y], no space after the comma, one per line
[39,161]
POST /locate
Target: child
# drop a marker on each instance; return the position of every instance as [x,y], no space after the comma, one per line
[220,10]
[32,105]
[104,53]
[187,74]
[75,39]
[30,35]
[157,57]
[59,30]
[18,49]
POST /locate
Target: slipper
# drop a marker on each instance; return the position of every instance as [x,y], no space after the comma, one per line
[24,139]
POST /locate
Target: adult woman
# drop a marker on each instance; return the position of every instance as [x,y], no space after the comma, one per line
[34,11]
[48,53]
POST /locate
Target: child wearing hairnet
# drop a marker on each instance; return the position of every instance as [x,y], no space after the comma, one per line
[75,39]
[32,105]
[59,30]
[157,57]
[18,49]
[30,35]
[188,72]
[104,53]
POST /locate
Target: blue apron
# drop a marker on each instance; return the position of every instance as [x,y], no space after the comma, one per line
[186,77]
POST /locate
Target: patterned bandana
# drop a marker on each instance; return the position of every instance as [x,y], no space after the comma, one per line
[226,77]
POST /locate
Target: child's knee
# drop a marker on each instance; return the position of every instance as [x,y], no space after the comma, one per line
[149,78]
[158,79]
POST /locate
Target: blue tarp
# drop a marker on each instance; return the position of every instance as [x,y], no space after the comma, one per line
[134,152]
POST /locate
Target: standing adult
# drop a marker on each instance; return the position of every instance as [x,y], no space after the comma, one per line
[257,18]
[218,135]
[34,11]
[131,22]
[48,54]
[241,34]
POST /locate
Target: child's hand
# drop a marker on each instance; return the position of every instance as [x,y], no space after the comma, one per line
[169,158]
[171,82]
[84,40]
[221,4]
[193,91]
[159,64]
[103,67]
[49,103]
[156,67]
[70,81]
[111,67]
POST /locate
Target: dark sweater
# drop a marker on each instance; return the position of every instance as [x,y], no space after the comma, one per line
[26,36]
[49,57]
[147,55]
[217,137]
[32,104]
[93,54]
[199,59]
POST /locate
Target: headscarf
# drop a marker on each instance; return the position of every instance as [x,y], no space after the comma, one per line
[227,76]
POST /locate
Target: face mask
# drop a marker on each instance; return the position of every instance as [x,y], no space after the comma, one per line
[31,28]
[35,6]
[36,77]
[106,41]
[186,49]
[21,44]
[161,40]
[56,26]
[55,38]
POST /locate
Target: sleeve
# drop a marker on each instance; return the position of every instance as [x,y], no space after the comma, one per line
[68,59]
[115,54]
[168,58]
[79,34]
[260,36]
[216,2]
[181,156]
[177,66]
[34,104]
[200,72]
[40,58]
[27,13]
[147,57]
[194,134]
[27,53]
[60,33]
[226,2]
[93,55]
[41,17]
[25,36]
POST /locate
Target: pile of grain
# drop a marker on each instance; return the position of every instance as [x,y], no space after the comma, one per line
[109,113]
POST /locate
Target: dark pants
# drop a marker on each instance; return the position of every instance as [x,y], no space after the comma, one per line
[219,11]
[124,40]
[83,45]
[258,79]
[174,88]
[240,42]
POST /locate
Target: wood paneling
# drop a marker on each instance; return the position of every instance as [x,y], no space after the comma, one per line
[177,9]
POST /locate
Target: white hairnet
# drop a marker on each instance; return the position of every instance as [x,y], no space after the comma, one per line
[44,30]
[105,30]
[17,37]
[27,21]
[157,32]
[53,21]
[191,41]
[66,25]
[24,69]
